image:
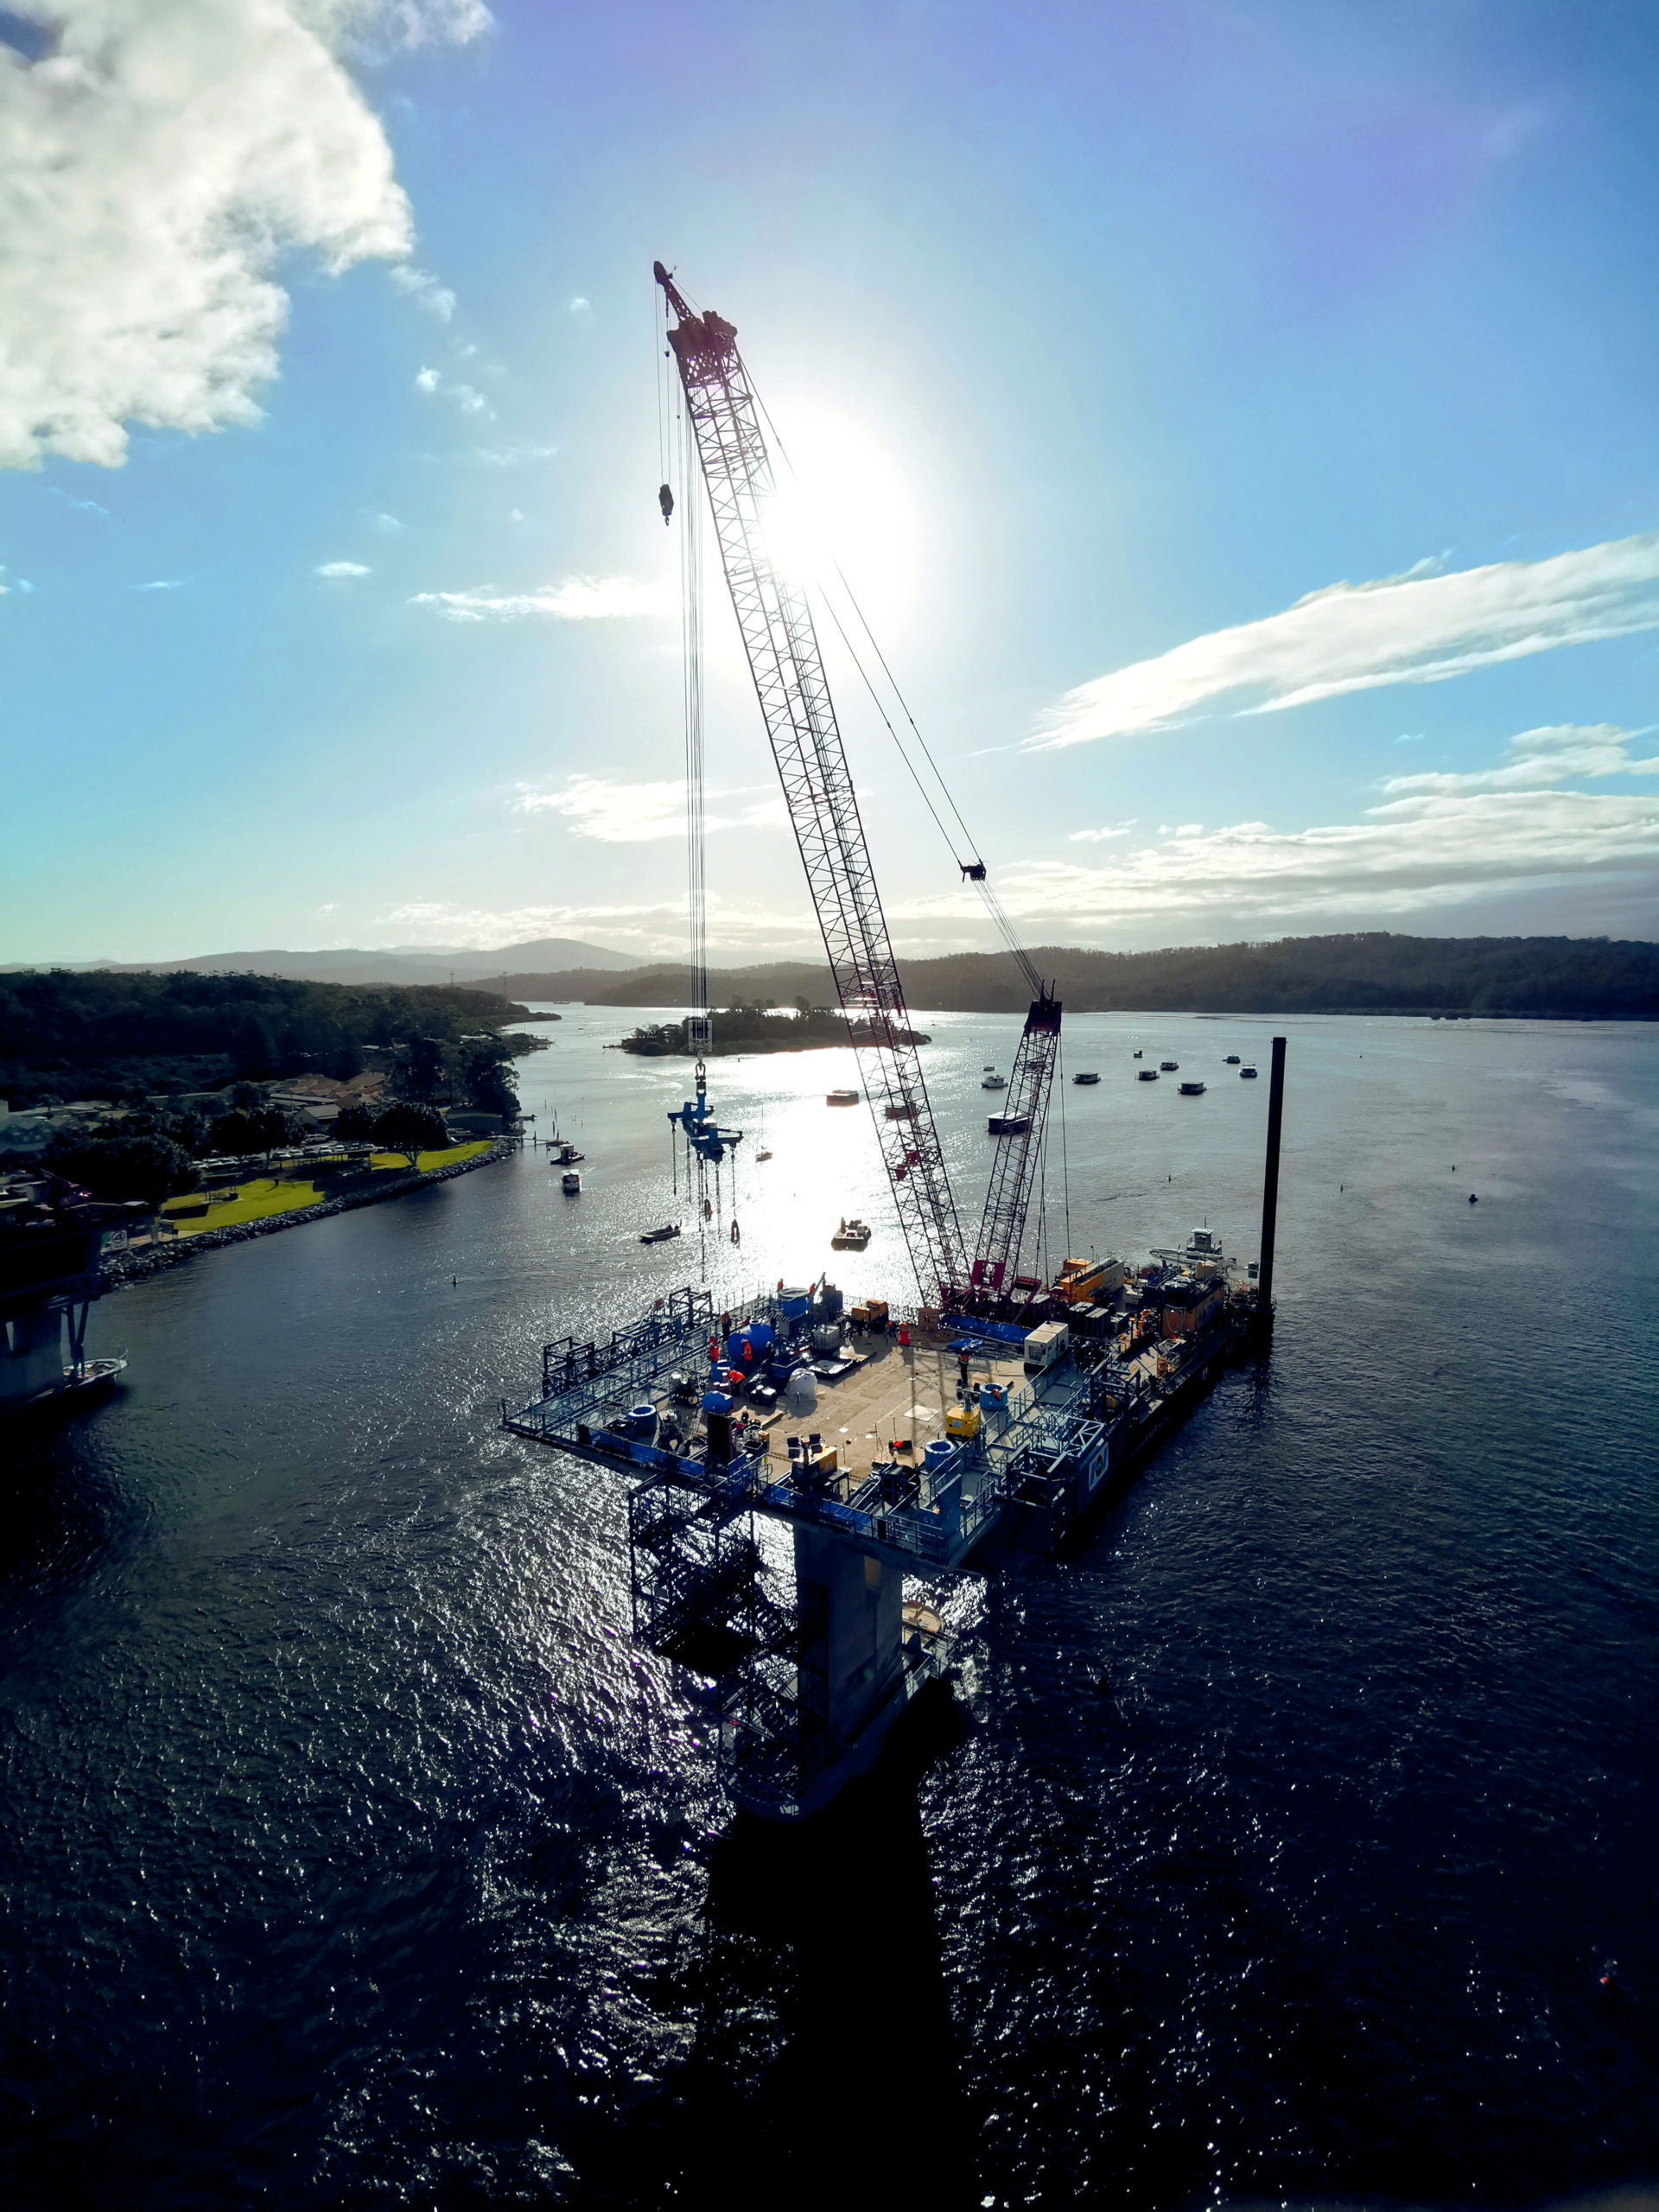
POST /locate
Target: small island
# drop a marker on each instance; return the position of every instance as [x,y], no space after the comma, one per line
[756,1026]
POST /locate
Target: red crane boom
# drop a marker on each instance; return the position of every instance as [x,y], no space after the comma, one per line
[781,642]
[782,646]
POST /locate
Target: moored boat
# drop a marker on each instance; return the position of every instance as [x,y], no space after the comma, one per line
[852,1236]
[1090,1077]
[841,1098]
[1191,1090]
[1249,1074]
[993,1082]
[1147,1075]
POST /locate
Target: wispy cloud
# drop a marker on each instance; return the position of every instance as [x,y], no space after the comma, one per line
[636,813]
[467,396]
[576,598]
[335,569]
[1432,850]
[1414,628]
[579,306]
[387,524]
[423,287]
[513,456]
[1541,757]
[1106,834]
[161,583]
[79,506]
[654,929]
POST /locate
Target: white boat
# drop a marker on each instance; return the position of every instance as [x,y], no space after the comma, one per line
[993,1083]
[852,1236]
[570,1182]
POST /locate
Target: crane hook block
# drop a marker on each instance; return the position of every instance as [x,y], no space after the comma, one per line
[666,501]
[972,871]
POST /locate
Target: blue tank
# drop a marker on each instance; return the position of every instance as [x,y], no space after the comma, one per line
[761,1335]
[793,1304]
[938,1454]
[715,1402]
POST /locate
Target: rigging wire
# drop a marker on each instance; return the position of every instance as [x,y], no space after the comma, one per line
[993,907]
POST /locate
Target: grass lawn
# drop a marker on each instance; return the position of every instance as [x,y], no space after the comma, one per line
[261,1196]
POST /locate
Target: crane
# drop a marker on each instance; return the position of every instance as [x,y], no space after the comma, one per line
[780,640]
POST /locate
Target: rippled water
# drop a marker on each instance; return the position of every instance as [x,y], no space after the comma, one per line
[348,1848]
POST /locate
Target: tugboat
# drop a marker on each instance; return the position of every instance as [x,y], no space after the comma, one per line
[852,1236]
[1085,1078]
[993,1082]
[571,1183]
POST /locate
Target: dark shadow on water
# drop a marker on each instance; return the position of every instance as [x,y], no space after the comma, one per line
[825,2067]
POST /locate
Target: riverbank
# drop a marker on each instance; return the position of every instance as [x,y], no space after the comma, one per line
[252,1218]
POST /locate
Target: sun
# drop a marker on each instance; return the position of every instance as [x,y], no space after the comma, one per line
[847,501]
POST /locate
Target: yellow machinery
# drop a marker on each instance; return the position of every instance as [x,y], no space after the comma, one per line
[962,1422]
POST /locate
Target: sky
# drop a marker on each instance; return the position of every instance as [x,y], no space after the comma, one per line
[1236,421]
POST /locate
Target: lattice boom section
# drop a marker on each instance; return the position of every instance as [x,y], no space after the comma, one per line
[781,642]
[1006,1202]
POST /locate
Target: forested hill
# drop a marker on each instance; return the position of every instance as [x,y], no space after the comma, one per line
[1378,971]
[116,1029]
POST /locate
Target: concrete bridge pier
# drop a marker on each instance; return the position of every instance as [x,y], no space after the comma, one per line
[850,1607]
[34,1353]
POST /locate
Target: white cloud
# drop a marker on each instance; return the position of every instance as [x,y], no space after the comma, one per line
[157,163]
[655,930]
[1412,629]
[633,814]
[466,396]
[338,568]
[328,906]
[1544,756]
[516,514]
[161,583]
[513,456]
[387,523]
[579,306]
[379,28]
[79,506]
[577,598]
[423,288]
[1106,834]
[1429,851]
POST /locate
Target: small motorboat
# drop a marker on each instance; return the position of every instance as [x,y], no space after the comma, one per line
[1232,1060]
[760,1156]
[669,1229]
[1137,1055]
[1249,1074]
[993,1082]
[1169,1067]
[570,1183]
[1191,1090]
[1147,1075]
[1085,1078]
[852,1236]
[841,1098]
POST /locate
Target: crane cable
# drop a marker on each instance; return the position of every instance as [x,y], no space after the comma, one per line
[994,906]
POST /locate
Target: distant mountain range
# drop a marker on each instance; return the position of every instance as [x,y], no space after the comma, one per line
[399,963]
[1376,972]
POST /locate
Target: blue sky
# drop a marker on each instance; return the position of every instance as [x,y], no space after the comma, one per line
[1237,422]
